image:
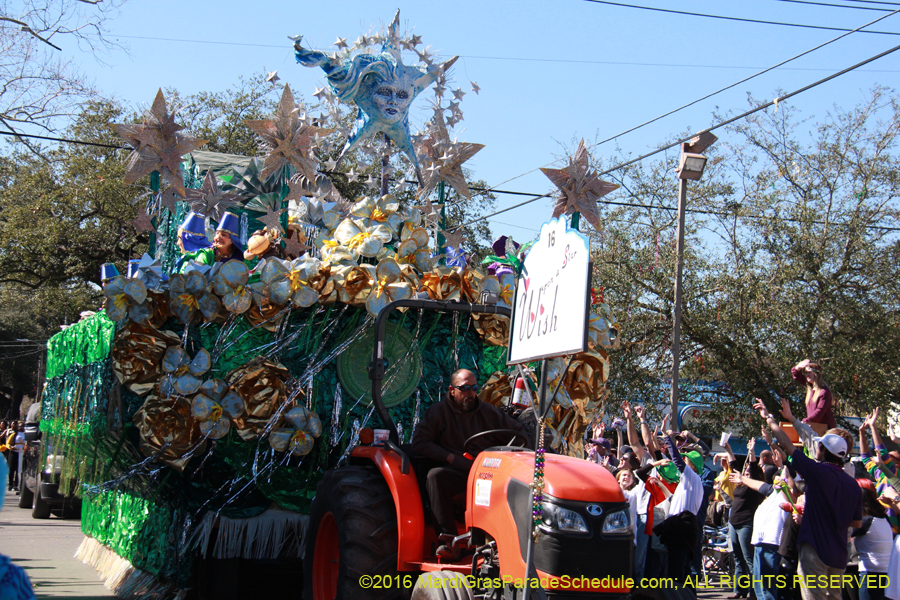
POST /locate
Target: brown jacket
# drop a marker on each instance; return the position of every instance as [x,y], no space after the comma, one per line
[444,429]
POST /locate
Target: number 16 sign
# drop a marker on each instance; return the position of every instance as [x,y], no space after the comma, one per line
[551,305]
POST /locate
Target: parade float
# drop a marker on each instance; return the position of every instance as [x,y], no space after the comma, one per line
[198,411]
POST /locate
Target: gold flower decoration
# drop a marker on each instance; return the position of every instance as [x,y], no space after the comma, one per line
[367,241]
[231,283]
[288,281]
[126,298]
[188,294]
[182,373]
[389,286]
[383,211]
[414,249]
[298,438]
[214,408]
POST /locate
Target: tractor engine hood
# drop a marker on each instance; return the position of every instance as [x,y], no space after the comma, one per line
[565,477]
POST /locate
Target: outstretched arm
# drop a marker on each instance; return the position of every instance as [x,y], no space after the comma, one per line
[633,439]
[645,430]
[730,452]
[780,436]
[673,451]
[704,449]
[863,443]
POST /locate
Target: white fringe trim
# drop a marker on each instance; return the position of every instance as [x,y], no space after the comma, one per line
[273,534]
[121,577]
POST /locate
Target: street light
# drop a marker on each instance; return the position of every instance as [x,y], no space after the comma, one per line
[690,167]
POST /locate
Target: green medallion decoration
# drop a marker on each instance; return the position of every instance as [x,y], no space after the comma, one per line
[403,371]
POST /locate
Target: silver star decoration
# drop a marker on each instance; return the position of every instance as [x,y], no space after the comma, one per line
[431,212]
[453,238]
[448,157]
[415,40]
[475,87]
[580,187]
[458,94]
[272,220]
[352,177]
[286,139]
[157,145]
[341,43]
[294,247]
[142,222]
[331,164]
[209,200]
[321,93]
[169,199]
[272,77]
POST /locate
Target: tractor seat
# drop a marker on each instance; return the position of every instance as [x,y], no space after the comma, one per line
[420,467]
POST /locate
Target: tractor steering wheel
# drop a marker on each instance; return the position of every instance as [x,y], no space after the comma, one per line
[475,441]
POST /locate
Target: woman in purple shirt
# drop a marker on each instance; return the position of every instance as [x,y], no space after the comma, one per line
[819,412]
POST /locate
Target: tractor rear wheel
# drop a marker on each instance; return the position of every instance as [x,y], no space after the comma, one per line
[352,533]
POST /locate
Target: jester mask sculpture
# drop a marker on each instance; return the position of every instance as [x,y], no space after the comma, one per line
[380,85]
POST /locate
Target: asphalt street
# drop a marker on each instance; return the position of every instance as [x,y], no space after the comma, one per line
[46,550]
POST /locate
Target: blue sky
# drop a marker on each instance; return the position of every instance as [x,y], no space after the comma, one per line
[550,72]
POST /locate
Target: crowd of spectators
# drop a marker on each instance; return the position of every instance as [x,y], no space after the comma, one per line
[804,520]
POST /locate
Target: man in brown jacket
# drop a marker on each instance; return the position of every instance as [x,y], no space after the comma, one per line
[440,436]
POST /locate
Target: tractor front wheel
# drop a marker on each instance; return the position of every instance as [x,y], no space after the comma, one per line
[352,538]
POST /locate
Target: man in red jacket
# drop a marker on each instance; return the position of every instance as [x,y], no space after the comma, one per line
[441,435]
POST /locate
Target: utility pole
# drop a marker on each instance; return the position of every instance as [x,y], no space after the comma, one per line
[690,167]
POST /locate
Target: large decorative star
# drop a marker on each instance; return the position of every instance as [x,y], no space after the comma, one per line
[209,200]
[380,85]
[287,138]
[157,145]
[580,187]
[443,159]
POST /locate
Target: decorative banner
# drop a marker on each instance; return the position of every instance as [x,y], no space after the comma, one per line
[552,300]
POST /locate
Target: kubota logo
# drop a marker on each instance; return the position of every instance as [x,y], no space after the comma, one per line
[595,510]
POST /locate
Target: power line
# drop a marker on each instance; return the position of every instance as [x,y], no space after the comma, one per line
[831,41]
[56,139]
[505,58]
[709,129]
[836,5]
[740,19]
[874,2]
[671,112]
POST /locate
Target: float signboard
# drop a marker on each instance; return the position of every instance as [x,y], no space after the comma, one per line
[550,311]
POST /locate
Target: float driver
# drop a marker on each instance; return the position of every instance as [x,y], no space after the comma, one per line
[440,437]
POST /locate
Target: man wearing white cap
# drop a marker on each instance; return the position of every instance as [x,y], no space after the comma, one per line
[833,505]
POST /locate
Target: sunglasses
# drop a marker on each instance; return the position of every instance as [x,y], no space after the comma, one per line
[466,388]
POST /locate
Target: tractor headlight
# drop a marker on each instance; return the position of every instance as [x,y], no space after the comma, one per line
[618,523]
[562,519]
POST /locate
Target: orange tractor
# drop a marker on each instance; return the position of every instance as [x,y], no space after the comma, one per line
[370,532]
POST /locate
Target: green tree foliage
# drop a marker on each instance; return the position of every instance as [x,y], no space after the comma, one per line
[791,252]
[218,117]
[60,219]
